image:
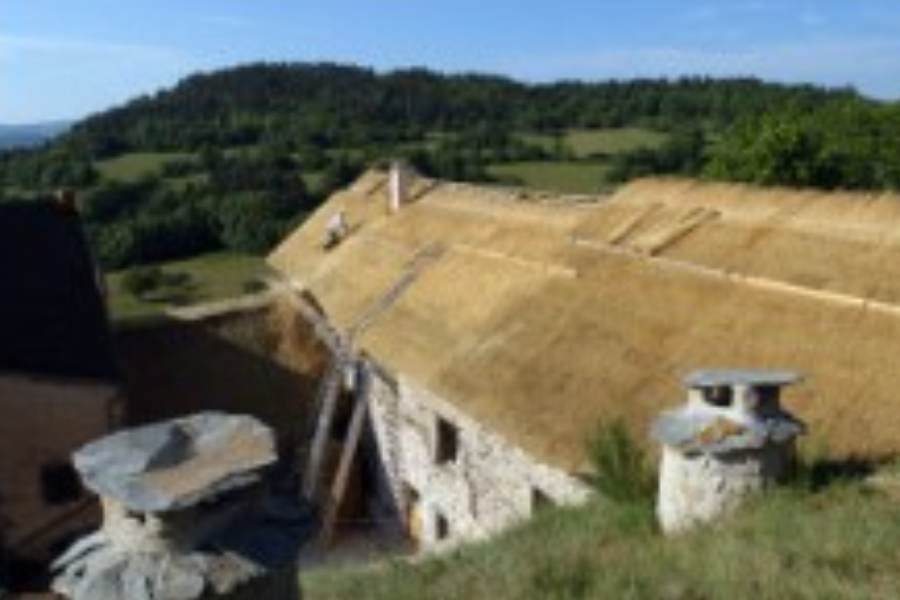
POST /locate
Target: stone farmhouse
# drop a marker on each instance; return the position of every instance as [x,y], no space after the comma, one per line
[479,335]
[58,380]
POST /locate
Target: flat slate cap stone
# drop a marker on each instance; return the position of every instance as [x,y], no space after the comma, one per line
[752,377]
[708,433]
[177,464]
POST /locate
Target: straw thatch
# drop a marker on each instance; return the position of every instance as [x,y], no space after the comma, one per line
[542,317]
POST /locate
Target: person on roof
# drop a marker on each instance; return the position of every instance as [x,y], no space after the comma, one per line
[335,230]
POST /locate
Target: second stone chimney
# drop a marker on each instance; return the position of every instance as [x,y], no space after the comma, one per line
[731,439]
[399,182]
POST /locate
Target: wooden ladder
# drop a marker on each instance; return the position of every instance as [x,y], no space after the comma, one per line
[323,417]
[334,498]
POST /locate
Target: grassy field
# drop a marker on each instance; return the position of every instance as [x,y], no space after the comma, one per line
[208,277]
[566,177]
[581,175]
[313,179]
[134,166]
[587,143]
[841,542]
[585,173]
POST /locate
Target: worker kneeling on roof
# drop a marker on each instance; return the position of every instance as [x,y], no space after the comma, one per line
[335,230]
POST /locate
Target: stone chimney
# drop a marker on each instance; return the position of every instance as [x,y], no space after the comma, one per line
[399,182]
[731,439]
[183,516]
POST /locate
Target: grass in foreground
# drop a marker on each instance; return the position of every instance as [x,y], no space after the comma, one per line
[839,543]
[208,277]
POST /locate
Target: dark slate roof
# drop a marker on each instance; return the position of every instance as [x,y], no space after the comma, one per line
[52,318]
[751,377]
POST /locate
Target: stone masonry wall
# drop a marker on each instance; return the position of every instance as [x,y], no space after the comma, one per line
[486,485]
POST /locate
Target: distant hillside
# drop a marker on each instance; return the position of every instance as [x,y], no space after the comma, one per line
[454,126]
[235,158]
[341,105]
[28,136]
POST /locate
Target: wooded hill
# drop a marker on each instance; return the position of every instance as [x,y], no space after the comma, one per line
[339,106]
[234,158]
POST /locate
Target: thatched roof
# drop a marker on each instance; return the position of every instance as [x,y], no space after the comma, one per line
[541,317]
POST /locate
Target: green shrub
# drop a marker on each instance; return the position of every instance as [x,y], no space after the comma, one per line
[140,281]
[621,469]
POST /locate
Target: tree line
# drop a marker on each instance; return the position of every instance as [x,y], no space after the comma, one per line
[327,106]
[848,145]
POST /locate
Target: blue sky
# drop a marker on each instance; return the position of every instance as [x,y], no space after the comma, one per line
[64,59]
